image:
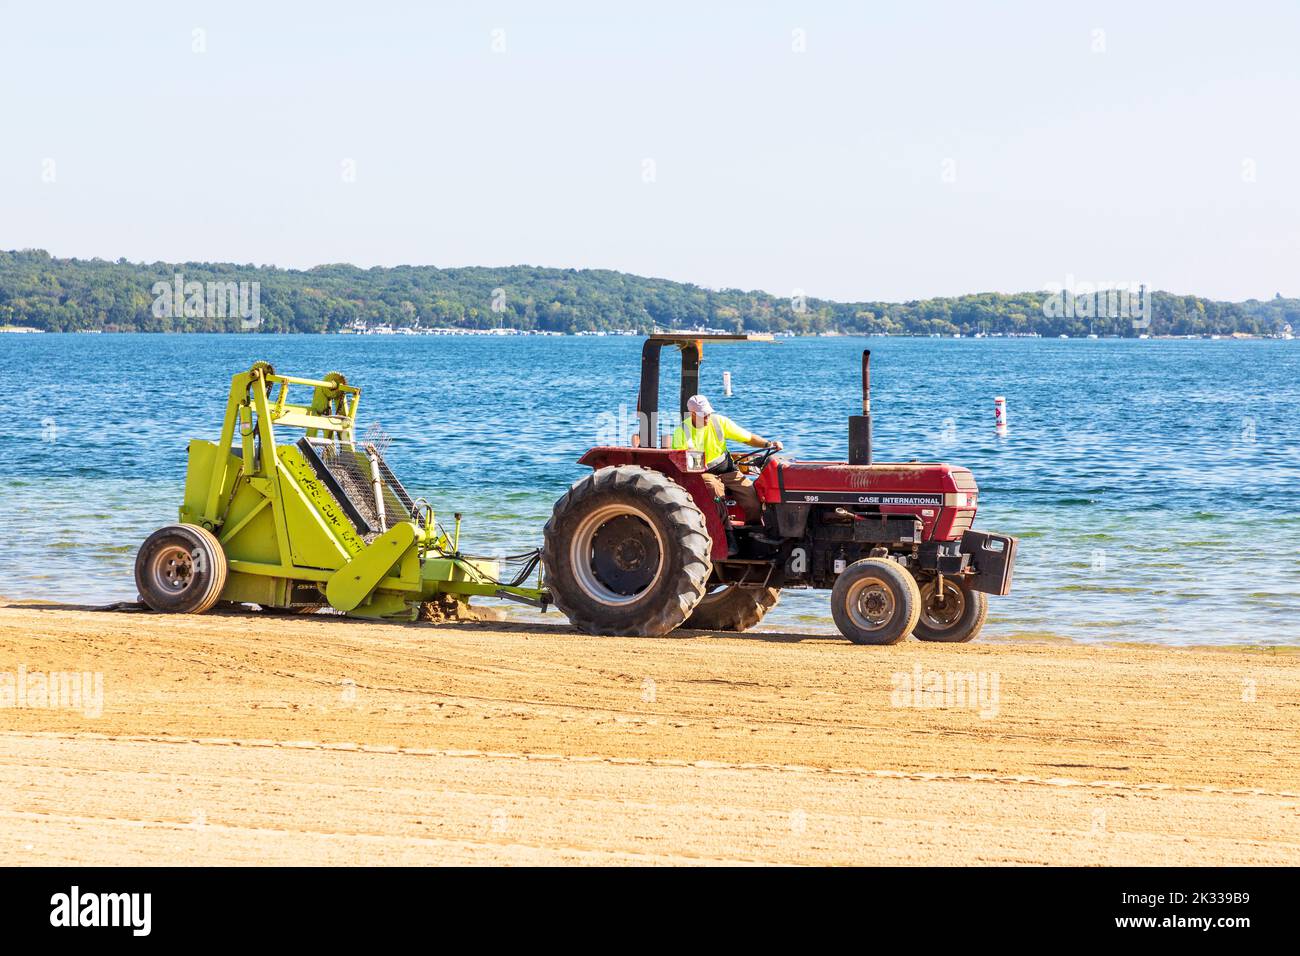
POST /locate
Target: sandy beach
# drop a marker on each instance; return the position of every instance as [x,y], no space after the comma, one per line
[248,738]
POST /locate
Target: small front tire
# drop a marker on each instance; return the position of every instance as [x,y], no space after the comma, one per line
[955,619]
[875,601]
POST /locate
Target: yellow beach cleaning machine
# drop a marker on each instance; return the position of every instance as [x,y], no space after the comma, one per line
[320,521]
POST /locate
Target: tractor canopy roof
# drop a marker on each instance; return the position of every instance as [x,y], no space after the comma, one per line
[682,338]
[691,345]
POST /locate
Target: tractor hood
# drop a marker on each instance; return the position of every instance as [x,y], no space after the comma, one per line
[910,484]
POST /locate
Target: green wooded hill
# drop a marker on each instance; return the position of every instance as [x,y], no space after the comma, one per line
[75,294]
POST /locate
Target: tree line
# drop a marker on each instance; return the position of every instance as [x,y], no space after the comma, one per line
[68,295]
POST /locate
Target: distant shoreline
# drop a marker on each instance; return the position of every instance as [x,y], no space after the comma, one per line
[40,291]
[527,333]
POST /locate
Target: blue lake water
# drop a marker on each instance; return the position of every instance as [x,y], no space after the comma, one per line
[1153,484]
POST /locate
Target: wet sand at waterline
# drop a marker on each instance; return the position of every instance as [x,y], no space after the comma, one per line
[245,738]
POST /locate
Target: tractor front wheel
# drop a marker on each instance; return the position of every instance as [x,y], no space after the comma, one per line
[951,615]
[733,608]
[180,569]
[626,552]
[875,601]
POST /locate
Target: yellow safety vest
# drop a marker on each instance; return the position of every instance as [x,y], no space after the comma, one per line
[711,439]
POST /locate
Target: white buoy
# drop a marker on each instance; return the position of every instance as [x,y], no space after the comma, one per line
[726,384]
[1000,414]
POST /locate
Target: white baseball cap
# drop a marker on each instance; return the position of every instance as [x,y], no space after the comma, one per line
[699,404]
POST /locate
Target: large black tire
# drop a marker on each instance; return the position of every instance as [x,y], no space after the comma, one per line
[180,569]
[733,608]
[875,601]
[958,619]
[626,552]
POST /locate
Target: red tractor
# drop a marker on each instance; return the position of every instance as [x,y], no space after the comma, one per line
[641,546]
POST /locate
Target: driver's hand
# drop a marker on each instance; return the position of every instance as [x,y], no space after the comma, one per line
[775,444]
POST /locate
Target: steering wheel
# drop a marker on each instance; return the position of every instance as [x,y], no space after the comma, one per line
[753,460]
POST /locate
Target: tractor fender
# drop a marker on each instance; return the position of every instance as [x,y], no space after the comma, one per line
[674,463]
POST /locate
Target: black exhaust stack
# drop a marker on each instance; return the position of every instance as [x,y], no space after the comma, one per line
[860,425]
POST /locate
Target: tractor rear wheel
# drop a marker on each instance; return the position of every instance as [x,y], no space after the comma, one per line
[626,552]
[875,601]
[951,616]
[733,608]
[180,569]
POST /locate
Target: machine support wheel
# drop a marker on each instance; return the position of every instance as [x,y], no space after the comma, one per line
[180,569]
[875,601]
[731,607]
[953,616]
[626,552]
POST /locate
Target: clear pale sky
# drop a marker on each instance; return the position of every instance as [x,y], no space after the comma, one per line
[911,150]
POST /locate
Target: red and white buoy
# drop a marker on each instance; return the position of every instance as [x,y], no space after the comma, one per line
[726,384]
[1000,415]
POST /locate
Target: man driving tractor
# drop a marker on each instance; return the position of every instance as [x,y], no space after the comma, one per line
[706,431]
